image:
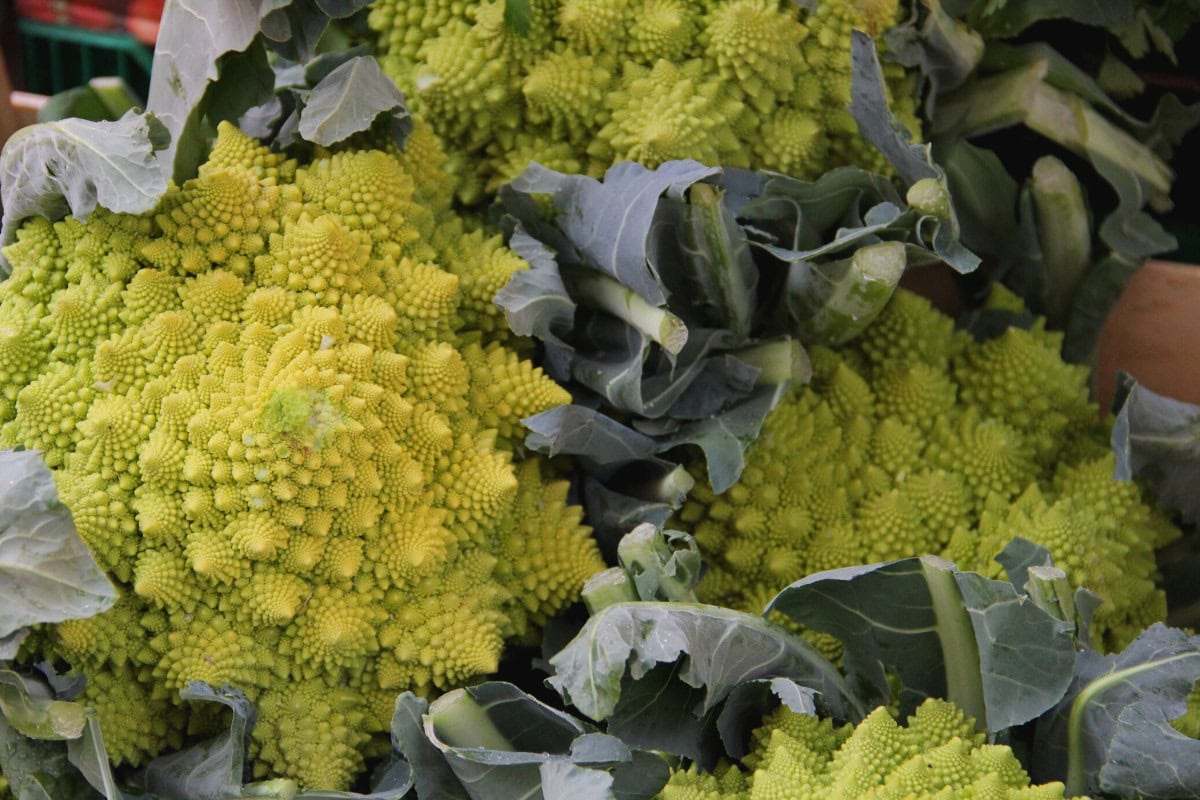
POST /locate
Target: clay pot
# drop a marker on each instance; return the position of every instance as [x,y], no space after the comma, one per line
[1153,333]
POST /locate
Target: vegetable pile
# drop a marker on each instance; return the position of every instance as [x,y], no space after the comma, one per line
[340,446]
[275,433]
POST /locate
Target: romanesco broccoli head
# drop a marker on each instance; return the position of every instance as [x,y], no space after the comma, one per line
[749,83]
[920,440]
[937,753]
[277,413]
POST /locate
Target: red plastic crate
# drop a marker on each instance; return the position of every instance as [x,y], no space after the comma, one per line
[138,17]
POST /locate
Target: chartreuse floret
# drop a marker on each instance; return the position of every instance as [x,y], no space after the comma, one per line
[917,440]
[938,754]
[287,434]
[748,83]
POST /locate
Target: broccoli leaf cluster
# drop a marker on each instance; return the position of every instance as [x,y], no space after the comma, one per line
[277,431]
[759,84]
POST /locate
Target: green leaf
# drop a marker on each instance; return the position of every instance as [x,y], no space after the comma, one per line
[1014,16]
[663,565]
[29,707]
[431,774]
[73,165]
[50,571]
[944,49]
[348,101]
[206,771]
[89,756]
[944,632]
[501,742]
[194,35]
[1156,439]
[38,769]
[609,221]
[1111,733]
[689,658]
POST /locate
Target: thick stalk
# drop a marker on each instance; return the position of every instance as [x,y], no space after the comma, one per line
[603,292]
[460,722]
[606,589]
[833,302]
[1064,230]
[960,651]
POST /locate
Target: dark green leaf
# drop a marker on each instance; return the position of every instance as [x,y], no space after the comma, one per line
[1111,733]
[501,742]
[432,775]
[348,100]
[750,702]
[39,769]
[89,756]
[1015,16]
[876,122]
[608,222]
[945,633]
[1157,439]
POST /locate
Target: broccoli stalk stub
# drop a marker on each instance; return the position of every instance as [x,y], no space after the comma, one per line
[278,433]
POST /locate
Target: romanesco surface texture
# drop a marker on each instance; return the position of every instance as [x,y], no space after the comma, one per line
[762,84]
[936,756]
[919,440]
[279,435]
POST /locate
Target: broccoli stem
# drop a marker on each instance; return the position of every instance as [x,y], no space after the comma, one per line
[603,292]
[1022,95]
[606,589]
[276,789]
[778,362]
[1050,591]
[721,262]
[960,651]
[459,721]
[645,549]
[833,302]
[1064,232]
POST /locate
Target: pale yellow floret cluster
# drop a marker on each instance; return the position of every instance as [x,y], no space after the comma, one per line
[938,755]
[282,429]
[916,440]
[761,84]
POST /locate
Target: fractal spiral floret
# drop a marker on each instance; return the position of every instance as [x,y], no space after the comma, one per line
[938,754]
[273,410]
[747,83]
[918,439]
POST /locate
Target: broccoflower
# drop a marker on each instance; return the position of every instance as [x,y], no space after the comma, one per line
[938,754]
[919,440]
[277,433]
[748,83]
